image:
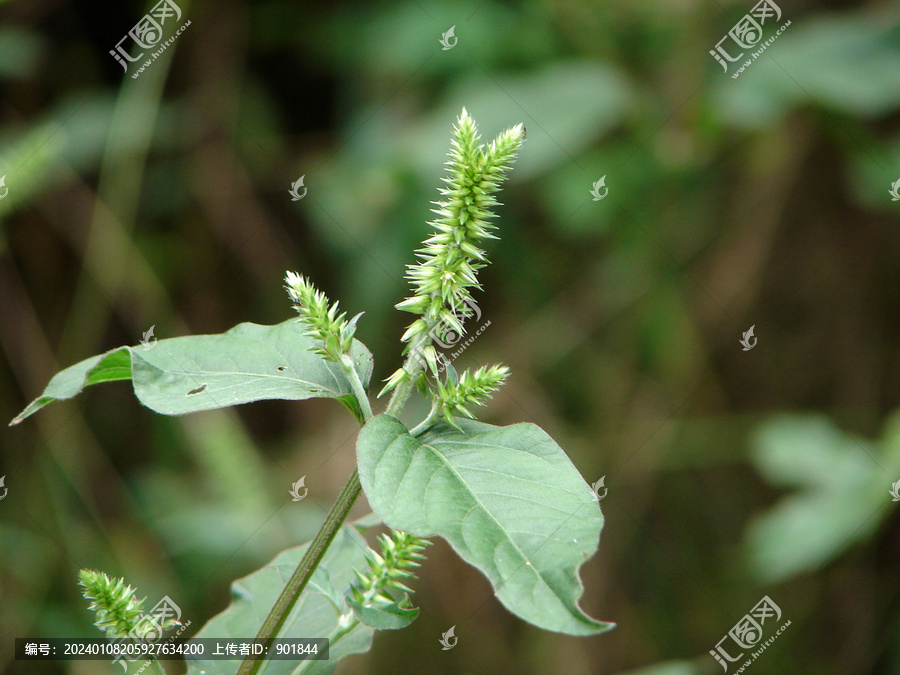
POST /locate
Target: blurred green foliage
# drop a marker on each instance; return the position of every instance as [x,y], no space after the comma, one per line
[761,200]
[839,500]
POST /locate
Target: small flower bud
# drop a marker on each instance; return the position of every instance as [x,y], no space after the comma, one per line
[333,332]
[400,553]
[469,388]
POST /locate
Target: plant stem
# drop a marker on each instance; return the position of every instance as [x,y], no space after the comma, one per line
[335,518]
[428,421]
[412,365]
[304,571]
[333,638]
[358,389]
[157,667]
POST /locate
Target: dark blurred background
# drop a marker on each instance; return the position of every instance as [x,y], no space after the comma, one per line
[761,201]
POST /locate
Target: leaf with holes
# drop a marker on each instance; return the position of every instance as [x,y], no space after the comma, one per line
[508,500]
[202,372]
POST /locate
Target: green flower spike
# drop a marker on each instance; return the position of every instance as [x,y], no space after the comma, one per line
[370,599]
[118,611]
[333,331]
[450,257]
[451,397]
[399,553]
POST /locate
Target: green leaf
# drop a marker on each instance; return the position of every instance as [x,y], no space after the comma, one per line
[507,499]
[384,617]
[202,372]
[321,582]
[569,105]
[109,367]
[842,495]
[314,615]
[826,61]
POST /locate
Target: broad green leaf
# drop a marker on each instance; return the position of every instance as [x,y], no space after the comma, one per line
[202,372]
[314,615]
[842,495]
[507,499]
[321,582]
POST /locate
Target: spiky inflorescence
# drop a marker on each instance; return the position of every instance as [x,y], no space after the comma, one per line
[470,388]
[400,553]
[450,258]
[332,330]
[118,611]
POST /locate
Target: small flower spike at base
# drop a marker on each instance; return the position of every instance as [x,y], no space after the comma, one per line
[400,553]
[119,613]
[450,397]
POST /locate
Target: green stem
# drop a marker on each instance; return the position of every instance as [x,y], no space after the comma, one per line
[412,365]
[428,421]
[358,389]
[304,571]
[335,518]
[157,667]
[333,638]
